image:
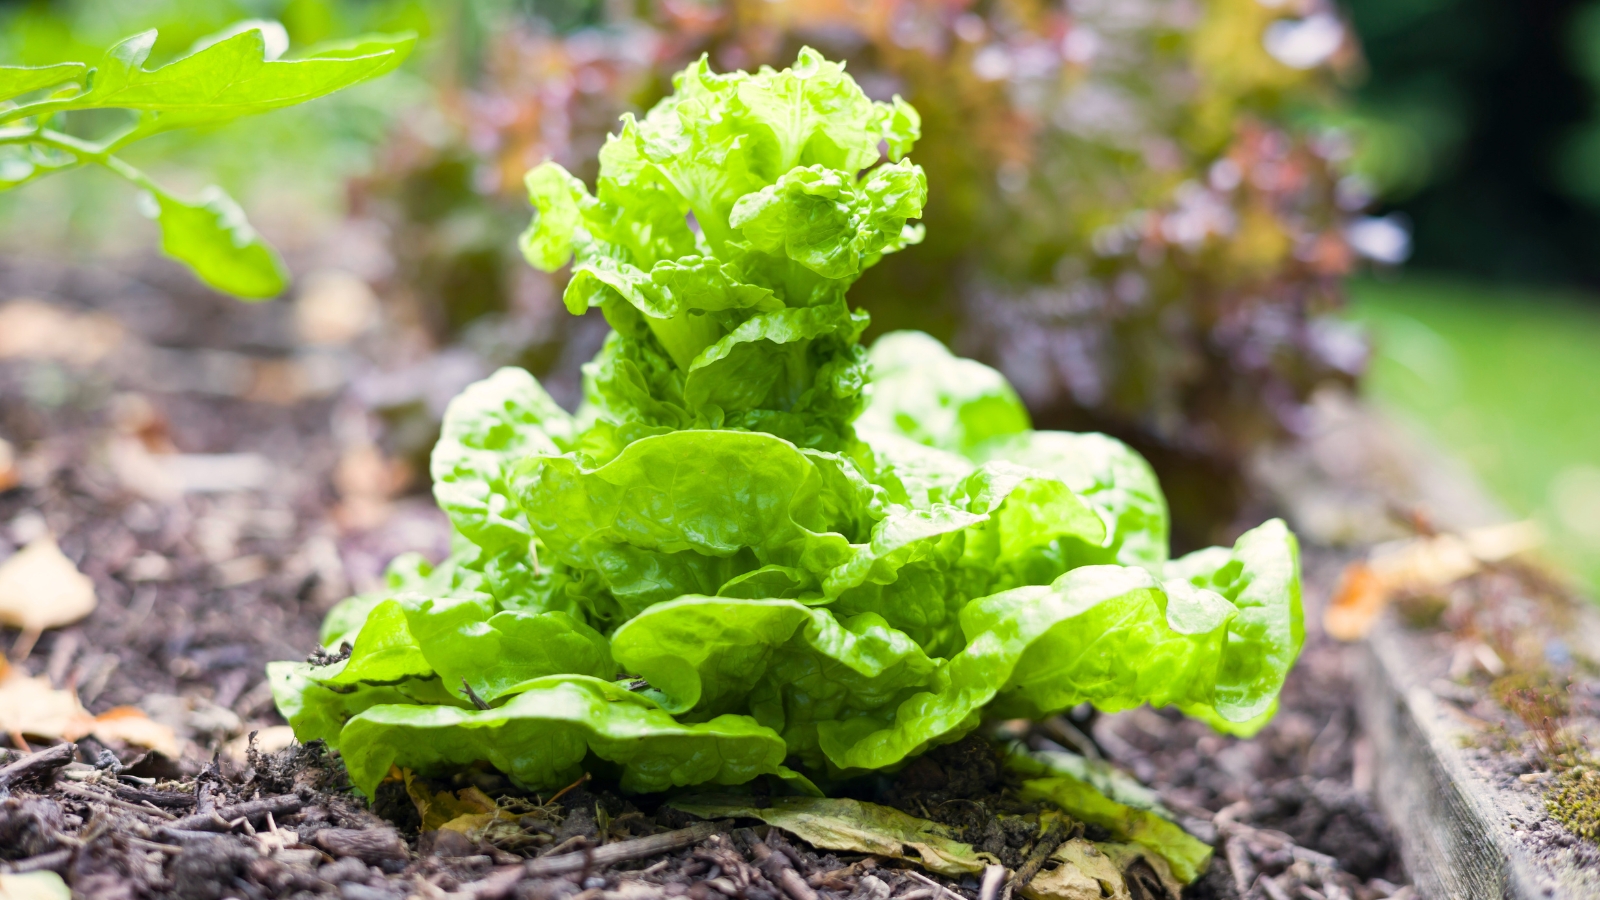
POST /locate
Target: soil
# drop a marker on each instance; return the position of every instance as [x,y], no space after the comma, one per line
[222,490]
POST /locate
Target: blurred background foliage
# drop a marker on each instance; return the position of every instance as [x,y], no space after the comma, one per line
[1145,212]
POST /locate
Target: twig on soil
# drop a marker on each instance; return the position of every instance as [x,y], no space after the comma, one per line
[1048,842]
[992,878]
[370,845]
[98,797]
[622,851]
[1063,731]
[54,861]
[1272,888]
[934,884]
[188,836]
[169,799]
[251,809]
[46,760]
[1228,825]
[23,648]
[561,793]
[498,884]
[1238,857]
[143,844]
[781,872]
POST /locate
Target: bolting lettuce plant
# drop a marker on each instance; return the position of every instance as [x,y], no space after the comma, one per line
[757,548]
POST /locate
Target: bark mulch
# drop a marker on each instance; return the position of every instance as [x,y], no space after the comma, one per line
[221,505]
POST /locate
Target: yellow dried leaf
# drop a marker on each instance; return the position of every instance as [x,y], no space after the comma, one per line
[31,706]
[437,810]
[40,588]
[34,886]
[8,466]
[1419,566]
[1081,872]
[30,329]
[129,725]
[334,308]
[853,826]
[1357,600]
[268,740]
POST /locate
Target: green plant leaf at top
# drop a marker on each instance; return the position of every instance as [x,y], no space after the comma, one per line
[210,235]
[234,73]
[232,77]
[16,81]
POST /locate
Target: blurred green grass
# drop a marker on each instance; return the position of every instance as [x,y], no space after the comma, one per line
[1506,378]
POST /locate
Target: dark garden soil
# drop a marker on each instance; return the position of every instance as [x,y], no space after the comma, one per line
[223,486]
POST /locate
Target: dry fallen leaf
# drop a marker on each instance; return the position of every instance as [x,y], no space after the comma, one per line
[129,725]
[442,808]
[1085,873]
[30,329]
[334,308]
[34,886]
[855,826]
[8,466]
[1419,565]
[40,588]
[1357,600]
[30,706]
[268,740]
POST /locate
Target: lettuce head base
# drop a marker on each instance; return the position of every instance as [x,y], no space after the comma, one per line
[758,548]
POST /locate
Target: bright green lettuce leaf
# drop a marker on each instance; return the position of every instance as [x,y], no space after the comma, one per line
[487,429]
[922,391]
[18,80]
[1260,576]
[1249,728]
[210,236]
[1108,476]
[465,640]
[788,665]
[385,652]
[318,712]
[768,572]
[1110,635]
[682,513]
[723,231]
[541,736]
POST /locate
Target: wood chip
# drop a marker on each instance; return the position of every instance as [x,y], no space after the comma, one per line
[610,854]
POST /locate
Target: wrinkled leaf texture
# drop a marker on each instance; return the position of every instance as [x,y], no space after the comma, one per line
[756,546]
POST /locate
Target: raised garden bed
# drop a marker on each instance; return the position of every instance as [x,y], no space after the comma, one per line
[200,588]
[1476,677]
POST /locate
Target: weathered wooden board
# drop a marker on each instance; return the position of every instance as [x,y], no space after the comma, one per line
[1463,830]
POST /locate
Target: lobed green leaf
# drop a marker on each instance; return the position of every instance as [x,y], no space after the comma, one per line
[211,236]
[16,81]
[541,736]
